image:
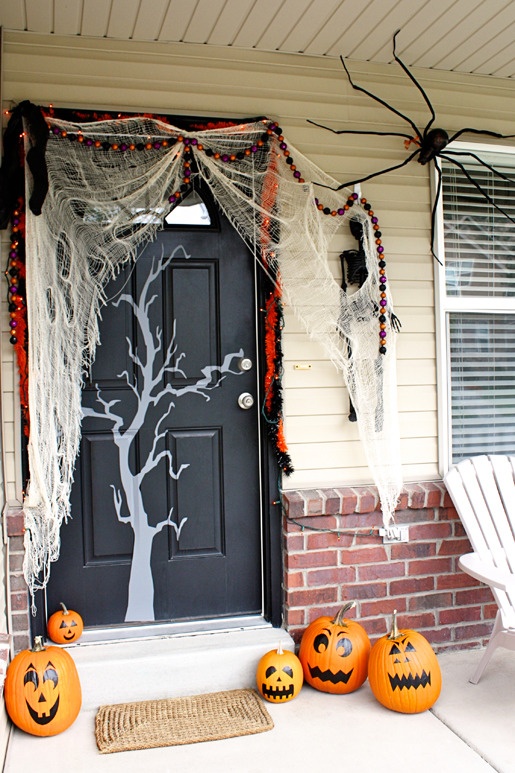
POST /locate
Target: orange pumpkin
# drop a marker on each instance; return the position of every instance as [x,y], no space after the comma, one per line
[279,676]
[42,690]
[65,626]
[403,671]
[334,653]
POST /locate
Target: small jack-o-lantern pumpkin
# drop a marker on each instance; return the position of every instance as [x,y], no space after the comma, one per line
[334,653]
[279,676]
[42,690]
[403,671]
[65,626]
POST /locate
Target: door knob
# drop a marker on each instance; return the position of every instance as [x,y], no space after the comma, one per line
[245,364]
[245,401]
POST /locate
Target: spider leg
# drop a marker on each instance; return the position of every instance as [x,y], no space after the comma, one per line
[479,188]
[480,131]
[351,131]
[381,101]
[434,211]
[480,160]
[370,176]
[417,84]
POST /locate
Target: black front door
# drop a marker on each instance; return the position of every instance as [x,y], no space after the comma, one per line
[166,510]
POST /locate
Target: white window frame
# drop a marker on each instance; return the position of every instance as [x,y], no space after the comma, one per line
[445,305]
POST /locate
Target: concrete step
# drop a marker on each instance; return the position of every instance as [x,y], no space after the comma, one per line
[172,666]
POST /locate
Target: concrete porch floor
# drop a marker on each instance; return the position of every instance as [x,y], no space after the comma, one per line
[470,728]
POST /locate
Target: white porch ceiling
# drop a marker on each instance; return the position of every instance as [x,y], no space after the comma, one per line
[468,36]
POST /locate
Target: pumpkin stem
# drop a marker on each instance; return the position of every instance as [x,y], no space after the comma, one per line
[280,648]
[65,611]
[339,618]
[394,633]
[38,644]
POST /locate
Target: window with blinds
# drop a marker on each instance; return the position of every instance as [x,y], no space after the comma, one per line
[480,304]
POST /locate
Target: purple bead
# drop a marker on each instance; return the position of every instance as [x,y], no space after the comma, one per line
[296,173]
[13,323]
[225,157]
[157,145]
[354,196]
[382,302]
[380,249]
[382,334]
[341,211]
[383,279]
[89,142]
[13,289]
[193,141]
[374,220]
[254,148]
[186,141]
[13,254]
[171,198]
[56,130]
[283,146]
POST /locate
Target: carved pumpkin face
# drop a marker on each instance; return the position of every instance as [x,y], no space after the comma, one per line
[42,690]
[279,676]
[334,653]
[65,626]
[404,672]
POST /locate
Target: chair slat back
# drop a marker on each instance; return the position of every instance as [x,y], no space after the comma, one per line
[483,488]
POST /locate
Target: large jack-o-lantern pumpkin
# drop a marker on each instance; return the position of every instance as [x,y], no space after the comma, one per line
[279,676]
[403,671]
[334,653]
[42,690]
[65,626]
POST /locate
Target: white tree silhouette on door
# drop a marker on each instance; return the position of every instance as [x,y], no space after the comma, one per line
[150,392]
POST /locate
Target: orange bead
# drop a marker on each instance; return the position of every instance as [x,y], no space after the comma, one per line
[180,138]
[80,138]
[320,207]
[333,213]
[98,144]
[200,147]
[383,295]
[114,146]
[164,144]
[217,155]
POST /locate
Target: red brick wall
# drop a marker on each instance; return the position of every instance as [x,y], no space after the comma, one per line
[18,592]
[333,553]
[324,567]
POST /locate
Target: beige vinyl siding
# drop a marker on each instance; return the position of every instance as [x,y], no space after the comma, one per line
[199,80]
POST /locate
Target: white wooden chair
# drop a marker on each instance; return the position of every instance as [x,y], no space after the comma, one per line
[482,489]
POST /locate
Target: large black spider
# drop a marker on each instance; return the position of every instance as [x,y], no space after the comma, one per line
[431,145]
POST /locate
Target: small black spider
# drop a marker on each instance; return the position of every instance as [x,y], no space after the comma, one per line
[431,145]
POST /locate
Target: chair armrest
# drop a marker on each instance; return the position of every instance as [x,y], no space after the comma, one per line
[486,572]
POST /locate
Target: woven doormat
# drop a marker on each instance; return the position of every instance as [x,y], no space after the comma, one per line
[176,721]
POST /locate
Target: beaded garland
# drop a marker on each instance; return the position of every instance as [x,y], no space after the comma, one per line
[15,275]
[192,143]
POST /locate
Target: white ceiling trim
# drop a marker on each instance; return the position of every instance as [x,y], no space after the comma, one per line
[466,36]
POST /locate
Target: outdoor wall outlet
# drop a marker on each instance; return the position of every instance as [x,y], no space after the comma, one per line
[395,534]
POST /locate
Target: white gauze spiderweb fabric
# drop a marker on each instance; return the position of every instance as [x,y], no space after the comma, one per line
[108,195]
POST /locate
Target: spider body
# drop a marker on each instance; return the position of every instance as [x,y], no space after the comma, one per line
[432,145]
